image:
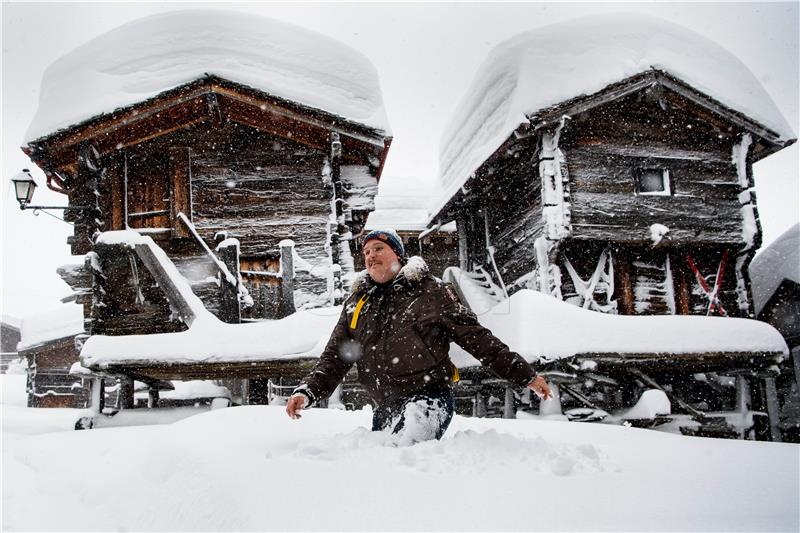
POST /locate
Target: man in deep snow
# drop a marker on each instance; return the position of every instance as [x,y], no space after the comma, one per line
[396,327]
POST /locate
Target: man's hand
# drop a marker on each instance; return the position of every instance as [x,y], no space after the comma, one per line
[541,388]
[295,405]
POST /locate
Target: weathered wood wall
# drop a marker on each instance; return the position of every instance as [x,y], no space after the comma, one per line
[606,146]
[49,382]
[256,187]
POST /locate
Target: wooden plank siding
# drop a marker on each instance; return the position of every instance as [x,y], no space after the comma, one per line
[605,147]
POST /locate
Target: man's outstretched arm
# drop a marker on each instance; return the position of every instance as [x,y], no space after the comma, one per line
[464,329]
[326,374]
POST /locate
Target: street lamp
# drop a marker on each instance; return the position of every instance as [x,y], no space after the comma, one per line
[24,187]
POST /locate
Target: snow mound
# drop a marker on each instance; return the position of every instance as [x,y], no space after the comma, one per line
[779,261]
[143,58]
[242,469]
[550,65]
[540,326]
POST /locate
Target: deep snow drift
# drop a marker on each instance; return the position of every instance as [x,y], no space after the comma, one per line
[252,468]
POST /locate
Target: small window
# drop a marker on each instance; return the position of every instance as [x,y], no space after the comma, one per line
[654,181]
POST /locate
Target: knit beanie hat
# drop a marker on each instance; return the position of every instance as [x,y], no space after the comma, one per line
[390,237]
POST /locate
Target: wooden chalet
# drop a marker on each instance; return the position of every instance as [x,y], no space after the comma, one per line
[253,195]
[9,338]
[635,198]
[47,342]
[627,200]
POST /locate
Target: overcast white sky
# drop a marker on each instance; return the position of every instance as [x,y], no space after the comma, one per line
[425,54]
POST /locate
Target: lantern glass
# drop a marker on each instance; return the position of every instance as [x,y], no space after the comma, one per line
[24,187]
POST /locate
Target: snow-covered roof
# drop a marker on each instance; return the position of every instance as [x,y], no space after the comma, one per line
[402,205]
[66,320]
[550,65]
[537,325]
[777,262]
[145,57]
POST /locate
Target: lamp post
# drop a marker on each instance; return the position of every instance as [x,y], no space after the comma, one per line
[24,186]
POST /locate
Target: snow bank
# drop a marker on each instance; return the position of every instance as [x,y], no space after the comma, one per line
[550,65]
[145,57]
[300,335]
[778,262]
[252,468]
[66,320]
[536,325]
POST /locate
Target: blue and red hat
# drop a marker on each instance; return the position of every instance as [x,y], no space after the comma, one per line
[390,237]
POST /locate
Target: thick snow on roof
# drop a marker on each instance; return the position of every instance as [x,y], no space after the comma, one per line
[550,65]
[778,262]
[402,205]
[539,326]
[63,321]
[148,56]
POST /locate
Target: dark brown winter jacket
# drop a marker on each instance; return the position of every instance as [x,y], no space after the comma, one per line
[400,340]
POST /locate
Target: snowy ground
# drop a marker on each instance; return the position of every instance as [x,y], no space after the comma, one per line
[252,468]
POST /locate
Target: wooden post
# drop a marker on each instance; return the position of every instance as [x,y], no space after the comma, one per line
[152,398]
[230,310]
[463,250]
[97,396]
[125,393]
[508,406]
[625,285]
[333,231]
[480,406]
[338,293]
[180,192]
[246,391]
[30,381]
[336,176]
[743,403]
[773,409]
[553,405]
[682,288]
[287,278]
[86,193]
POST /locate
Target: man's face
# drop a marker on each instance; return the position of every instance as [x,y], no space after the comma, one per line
[382,263]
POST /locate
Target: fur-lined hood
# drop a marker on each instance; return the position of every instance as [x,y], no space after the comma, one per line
[411,273]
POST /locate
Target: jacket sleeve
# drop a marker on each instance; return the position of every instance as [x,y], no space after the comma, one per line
[463,327]
[332,365]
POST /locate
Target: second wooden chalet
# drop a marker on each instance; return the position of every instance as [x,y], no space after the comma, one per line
[613,170]
[247,149]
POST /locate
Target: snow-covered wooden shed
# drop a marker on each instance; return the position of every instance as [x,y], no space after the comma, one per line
[198,126]
[613,170]
[47,342]
[248,150]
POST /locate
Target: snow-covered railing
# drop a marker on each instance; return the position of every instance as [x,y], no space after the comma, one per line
[226,274]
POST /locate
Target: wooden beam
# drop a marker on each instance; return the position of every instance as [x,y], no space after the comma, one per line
[171,291]
[180,174]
